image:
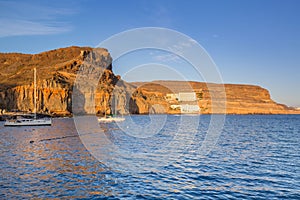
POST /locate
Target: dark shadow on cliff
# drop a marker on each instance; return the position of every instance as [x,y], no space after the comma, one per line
[133,107]
[78,102]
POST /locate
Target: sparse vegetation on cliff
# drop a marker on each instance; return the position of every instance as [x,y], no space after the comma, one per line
[57,70]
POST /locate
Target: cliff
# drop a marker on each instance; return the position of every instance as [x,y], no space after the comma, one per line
[100,91]
[56,73]
[239,99]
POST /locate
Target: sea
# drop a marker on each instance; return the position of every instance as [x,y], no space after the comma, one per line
[153,157]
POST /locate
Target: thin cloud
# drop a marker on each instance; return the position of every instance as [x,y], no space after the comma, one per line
[17,18]
[168,58]
[182,47]
[23,27]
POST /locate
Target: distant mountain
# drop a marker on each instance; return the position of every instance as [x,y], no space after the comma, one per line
[239,99]
[57,70]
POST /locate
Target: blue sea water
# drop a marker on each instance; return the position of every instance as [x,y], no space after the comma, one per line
[253,157]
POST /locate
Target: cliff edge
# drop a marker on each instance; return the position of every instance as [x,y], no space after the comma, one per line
[238,98]
[56,74]
[57,71]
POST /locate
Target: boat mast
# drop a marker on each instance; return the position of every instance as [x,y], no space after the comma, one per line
[104,106]
[34,93]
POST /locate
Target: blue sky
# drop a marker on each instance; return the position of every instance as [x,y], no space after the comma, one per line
[251,41]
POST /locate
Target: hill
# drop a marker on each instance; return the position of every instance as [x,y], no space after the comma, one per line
[237,99]
[101,91]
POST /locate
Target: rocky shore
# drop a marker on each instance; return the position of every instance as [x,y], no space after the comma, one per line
[57,70]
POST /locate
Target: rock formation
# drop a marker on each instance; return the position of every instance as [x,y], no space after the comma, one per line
[80,80]
[56,74]
[239,99]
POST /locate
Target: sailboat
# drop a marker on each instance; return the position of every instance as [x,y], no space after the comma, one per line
[22,121]
[110,118]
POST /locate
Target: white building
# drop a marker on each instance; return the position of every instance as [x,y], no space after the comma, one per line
[187,96]
[182,96]
[187,108]
[188,100]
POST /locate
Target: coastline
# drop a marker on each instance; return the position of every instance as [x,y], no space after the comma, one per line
[58,70]
[10,115]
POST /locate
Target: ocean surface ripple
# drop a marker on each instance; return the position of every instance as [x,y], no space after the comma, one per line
[255,157]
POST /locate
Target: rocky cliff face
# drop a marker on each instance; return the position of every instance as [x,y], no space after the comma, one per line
[80,80]
[239,99]
[56,75]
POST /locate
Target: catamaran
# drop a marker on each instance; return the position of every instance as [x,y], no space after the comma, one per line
[23,121]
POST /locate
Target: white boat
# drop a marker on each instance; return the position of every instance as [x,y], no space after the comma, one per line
[110,118]
[22,121]
[29,122]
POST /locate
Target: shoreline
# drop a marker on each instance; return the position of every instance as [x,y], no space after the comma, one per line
[10,115]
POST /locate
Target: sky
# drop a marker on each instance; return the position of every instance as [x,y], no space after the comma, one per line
[250,41]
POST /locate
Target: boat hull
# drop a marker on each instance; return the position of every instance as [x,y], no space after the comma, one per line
[111,119]
[29,122]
